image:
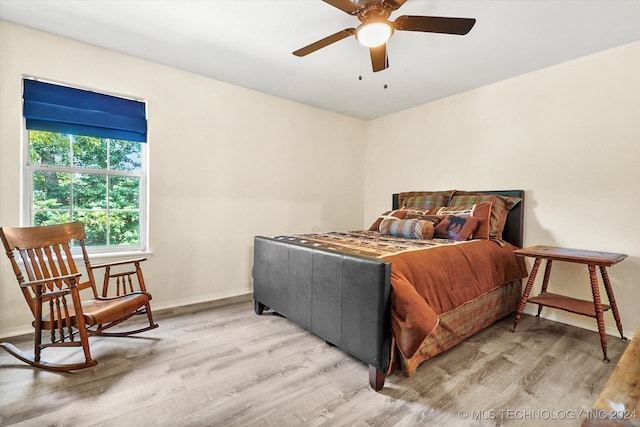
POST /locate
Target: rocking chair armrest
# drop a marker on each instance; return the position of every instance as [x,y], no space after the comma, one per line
[112,264]
[122,278]
[50,279]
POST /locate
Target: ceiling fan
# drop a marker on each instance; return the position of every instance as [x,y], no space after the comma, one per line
[375,28]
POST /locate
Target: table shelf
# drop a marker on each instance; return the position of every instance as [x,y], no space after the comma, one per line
[562,302]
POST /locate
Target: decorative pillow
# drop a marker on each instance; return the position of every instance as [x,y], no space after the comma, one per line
[435,219]
[481,211]
[388,214]
[407,228]
[511,201]
[415,210]
[501,205]
[402,197]
[456,227]
[425,202]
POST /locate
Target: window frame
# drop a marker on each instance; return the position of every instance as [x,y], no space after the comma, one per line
[28,192]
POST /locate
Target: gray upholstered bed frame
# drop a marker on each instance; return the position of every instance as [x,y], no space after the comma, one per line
[344,299]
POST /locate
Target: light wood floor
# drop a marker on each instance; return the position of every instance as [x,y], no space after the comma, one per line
[221,365]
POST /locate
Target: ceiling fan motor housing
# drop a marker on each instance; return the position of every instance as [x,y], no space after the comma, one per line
[373,12]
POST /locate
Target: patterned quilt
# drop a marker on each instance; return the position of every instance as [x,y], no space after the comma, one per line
[364,243]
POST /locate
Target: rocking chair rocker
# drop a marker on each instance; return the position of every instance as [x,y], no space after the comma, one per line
[52,292]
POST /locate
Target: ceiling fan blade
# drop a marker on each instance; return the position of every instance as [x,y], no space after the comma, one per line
[393,4]
[325,42]
[344,5]
[434,24]
[379,59]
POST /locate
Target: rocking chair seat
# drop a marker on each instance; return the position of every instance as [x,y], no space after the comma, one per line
[103,310]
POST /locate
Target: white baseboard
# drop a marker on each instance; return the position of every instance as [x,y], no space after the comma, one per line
[202,298]
[28,329]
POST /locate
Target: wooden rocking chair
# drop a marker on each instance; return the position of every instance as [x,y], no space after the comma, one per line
[52,292]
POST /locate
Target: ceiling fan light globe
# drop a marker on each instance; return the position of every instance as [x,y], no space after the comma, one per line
[374,34]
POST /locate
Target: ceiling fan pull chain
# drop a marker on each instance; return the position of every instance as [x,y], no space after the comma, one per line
[360,64]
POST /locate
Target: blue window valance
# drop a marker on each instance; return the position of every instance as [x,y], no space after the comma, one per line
[55,108]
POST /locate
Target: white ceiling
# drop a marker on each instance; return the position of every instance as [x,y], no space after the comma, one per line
[249,43]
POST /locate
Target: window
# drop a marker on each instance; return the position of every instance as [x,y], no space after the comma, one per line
[77,173]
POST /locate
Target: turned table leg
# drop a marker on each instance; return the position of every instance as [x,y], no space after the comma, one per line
[527,291]
[612,300]
[545,281]
[595,290]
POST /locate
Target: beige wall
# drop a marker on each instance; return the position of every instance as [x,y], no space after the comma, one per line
[226,163]
[569,135]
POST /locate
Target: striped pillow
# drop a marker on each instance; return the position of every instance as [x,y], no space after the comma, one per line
[388,214]
[408,228]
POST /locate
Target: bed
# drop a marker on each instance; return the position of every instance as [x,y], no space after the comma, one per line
[434,270]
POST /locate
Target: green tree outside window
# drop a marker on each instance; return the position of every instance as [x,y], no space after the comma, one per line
[94,180]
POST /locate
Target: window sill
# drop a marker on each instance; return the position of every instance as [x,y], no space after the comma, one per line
[110,255]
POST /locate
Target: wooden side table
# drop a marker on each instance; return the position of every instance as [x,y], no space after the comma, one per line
[593,308]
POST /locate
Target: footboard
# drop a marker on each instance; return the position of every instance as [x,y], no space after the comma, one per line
[343,299]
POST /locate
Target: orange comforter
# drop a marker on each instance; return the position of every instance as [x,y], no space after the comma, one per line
[427,283]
